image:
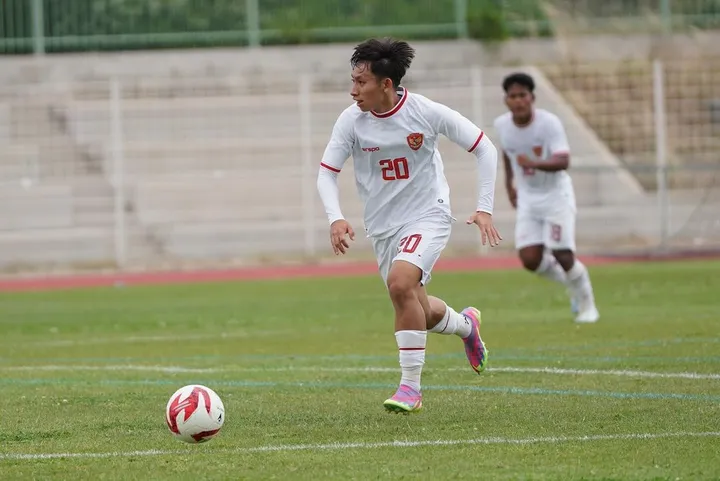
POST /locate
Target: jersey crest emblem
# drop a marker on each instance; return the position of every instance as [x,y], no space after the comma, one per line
[415,140]
[537,150]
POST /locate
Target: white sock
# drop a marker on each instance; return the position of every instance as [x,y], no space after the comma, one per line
[453,323]
[549,268]
[411,345]
[579,282]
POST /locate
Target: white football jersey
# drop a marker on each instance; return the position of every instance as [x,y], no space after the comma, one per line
[539,140]
[398,168]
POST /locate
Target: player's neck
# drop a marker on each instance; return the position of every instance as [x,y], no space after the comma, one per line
[524,121]
[388,103]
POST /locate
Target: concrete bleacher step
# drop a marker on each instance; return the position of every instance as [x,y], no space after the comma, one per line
[93,201]
[31,206]
[93,211]
[617,100]
[34,124]
[242,156]
[54,245]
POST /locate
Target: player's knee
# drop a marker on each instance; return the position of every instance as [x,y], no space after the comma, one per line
[401,288]
[565,257]
[402,282]
[531,260]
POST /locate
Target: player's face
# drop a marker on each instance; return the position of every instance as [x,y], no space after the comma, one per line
[519,100]
[367,90]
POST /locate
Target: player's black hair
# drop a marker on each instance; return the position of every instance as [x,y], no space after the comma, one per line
[387,58]
[522,79]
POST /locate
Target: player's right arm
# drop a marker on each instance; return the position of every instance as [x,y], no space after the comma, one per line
[509,177]
[558,149]
[337,151]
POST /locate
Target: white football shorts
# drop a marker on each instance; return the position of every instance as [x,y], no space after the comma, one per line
[554,228]
[419,242]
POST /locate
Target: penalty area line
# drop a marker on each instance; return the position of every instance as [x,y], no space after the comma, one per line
[362,445]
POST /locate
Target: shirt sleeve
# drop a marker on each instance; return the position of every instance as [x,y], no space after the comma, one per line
[455,126]
[557,140]
[487,160]
[470,137]
[337,151]
[329,191]
[341,143]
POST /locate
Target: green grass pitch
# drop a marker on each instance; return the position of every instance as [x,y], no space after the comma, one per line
[304,365]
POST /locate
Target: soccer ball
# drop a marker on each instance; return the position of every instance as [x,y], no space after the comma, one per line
[195,414]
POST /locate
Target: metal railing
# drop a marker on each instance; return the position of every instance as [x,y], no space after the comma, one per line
[41,26]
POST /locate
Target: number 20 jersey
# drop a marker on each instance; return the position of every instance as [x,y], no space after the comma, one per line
[398,169]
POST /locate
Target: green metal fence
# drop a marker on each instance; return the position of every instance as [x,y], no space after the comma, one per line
[81,25]
[639,15]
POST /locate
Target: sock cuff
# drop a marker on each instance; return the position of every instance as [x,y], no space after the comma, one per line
[411,340]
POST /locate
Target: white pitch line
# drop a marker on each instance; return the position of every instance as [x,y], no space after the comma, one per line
[117,368]
[351,446]
[360,369]
[607,372]
[148,339]
[200,337]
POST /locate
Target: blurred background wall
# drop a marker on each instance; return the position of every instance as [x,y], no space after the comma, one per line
[184,133]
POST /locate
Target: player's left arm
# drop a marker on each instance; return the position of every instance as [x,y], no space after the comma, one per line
[470,137]
[558,148]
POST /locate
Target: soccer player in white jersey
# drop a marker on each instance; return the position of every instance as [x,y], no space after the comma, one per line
[392,136]
[536,156]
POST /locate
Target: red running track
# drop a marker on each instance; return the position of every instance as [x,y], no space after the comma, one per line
[340,269]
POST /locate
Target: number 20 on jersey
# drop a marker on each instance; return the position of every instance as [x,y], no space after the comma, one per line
[395,169]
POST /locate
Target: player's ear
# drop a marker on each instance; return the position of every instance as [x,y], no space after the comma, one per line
[387,85]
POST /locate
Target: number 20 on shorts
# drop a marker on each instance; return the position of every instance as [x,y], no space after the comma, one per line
[395,169]
[409,244]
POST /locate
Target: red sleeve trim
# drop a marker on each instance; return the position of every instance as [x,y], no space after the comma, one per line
[337,171]
[477,142]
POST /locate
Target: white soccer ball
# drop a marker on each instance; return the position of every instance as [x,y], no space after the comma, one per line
[195,414]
